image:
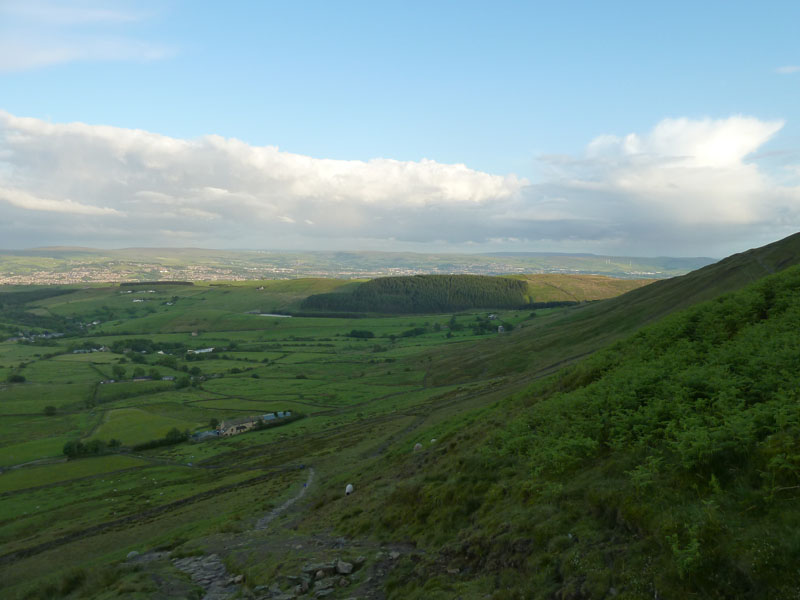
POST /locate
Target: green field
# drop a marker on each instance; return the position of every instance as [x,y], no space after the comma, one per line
[539,462]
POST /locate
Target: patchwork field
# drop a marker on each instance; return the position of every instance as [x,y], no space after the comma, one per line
[125,373]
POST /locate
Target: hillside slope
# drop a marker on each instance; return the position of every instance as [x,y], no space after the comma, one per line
[548,342]
[666,466]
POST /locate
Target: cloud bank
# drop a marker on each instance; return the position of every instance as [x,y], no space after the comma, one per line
[685,187]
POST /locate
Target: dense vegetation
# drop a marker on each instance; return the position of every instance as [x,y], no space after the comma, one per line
[668,464]
[425,294]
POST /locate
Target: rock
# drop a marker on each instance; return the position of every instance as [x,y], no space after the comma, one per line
[319,574]
[324,584]
[238,579]
[359,562]
[132,554]
[453,571]
[394,555]
[343,582]
[311,569]
[343,568]
[323,593]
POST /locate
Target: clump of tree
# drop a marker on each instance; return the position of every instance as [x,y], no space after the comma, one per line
[146,345]
[361,333]
[425,294]
[77,449]
[174,436]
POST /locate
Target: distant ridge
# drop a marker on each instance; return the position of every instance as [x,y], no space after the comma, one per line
[71,265]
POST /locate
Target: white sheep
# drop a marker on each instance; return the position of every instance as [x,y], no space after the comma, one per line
[348,490]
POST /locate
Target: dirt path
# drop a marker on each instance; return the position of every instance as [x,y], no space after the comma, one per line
[276,512]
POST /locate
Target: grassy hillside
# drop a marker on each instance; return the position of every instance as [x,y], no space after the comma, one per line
[552,340]
[665,466]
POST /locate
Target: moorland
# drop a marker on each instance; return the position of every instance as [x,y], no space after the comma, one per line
[581,438]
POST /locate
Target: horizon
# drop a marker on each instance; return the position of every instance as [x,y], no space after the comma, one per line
[429,129]
[350,251]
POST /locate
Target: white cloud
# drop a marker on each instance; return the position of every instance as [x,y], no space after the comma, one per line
[688,177]
[22,199]
[234,194]
[685,187]
[788,69]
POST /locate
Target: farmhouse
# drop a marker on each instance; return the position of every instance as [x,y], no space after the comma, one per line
[243,424]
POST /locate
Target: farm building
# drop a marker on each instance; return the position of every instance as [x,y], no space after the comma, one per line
[243,424]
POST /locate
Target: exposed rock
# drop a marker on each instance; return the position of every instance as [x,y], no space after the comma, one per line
[323,593]
[359,562]
[132,554]
[344,568]
[324,584]
[394,555]
[311,569]
[343,582]
[319,574]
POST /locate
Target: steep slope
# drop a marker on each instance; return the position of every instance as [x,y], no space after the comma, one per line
[665,466]
[549,342]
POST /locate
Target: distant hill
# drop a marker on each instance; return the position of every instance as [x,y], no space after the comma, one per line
[545,343]
[63,265]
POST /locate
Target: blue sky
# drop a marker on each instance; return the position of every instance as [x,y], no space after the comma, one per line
[369,108]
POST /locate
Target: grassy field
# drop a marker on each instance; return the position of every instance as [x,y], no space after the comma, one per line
[346,389]
[364,402]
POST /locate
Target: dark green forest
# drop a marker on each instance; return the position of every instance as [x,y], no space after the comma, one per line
[425,294]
